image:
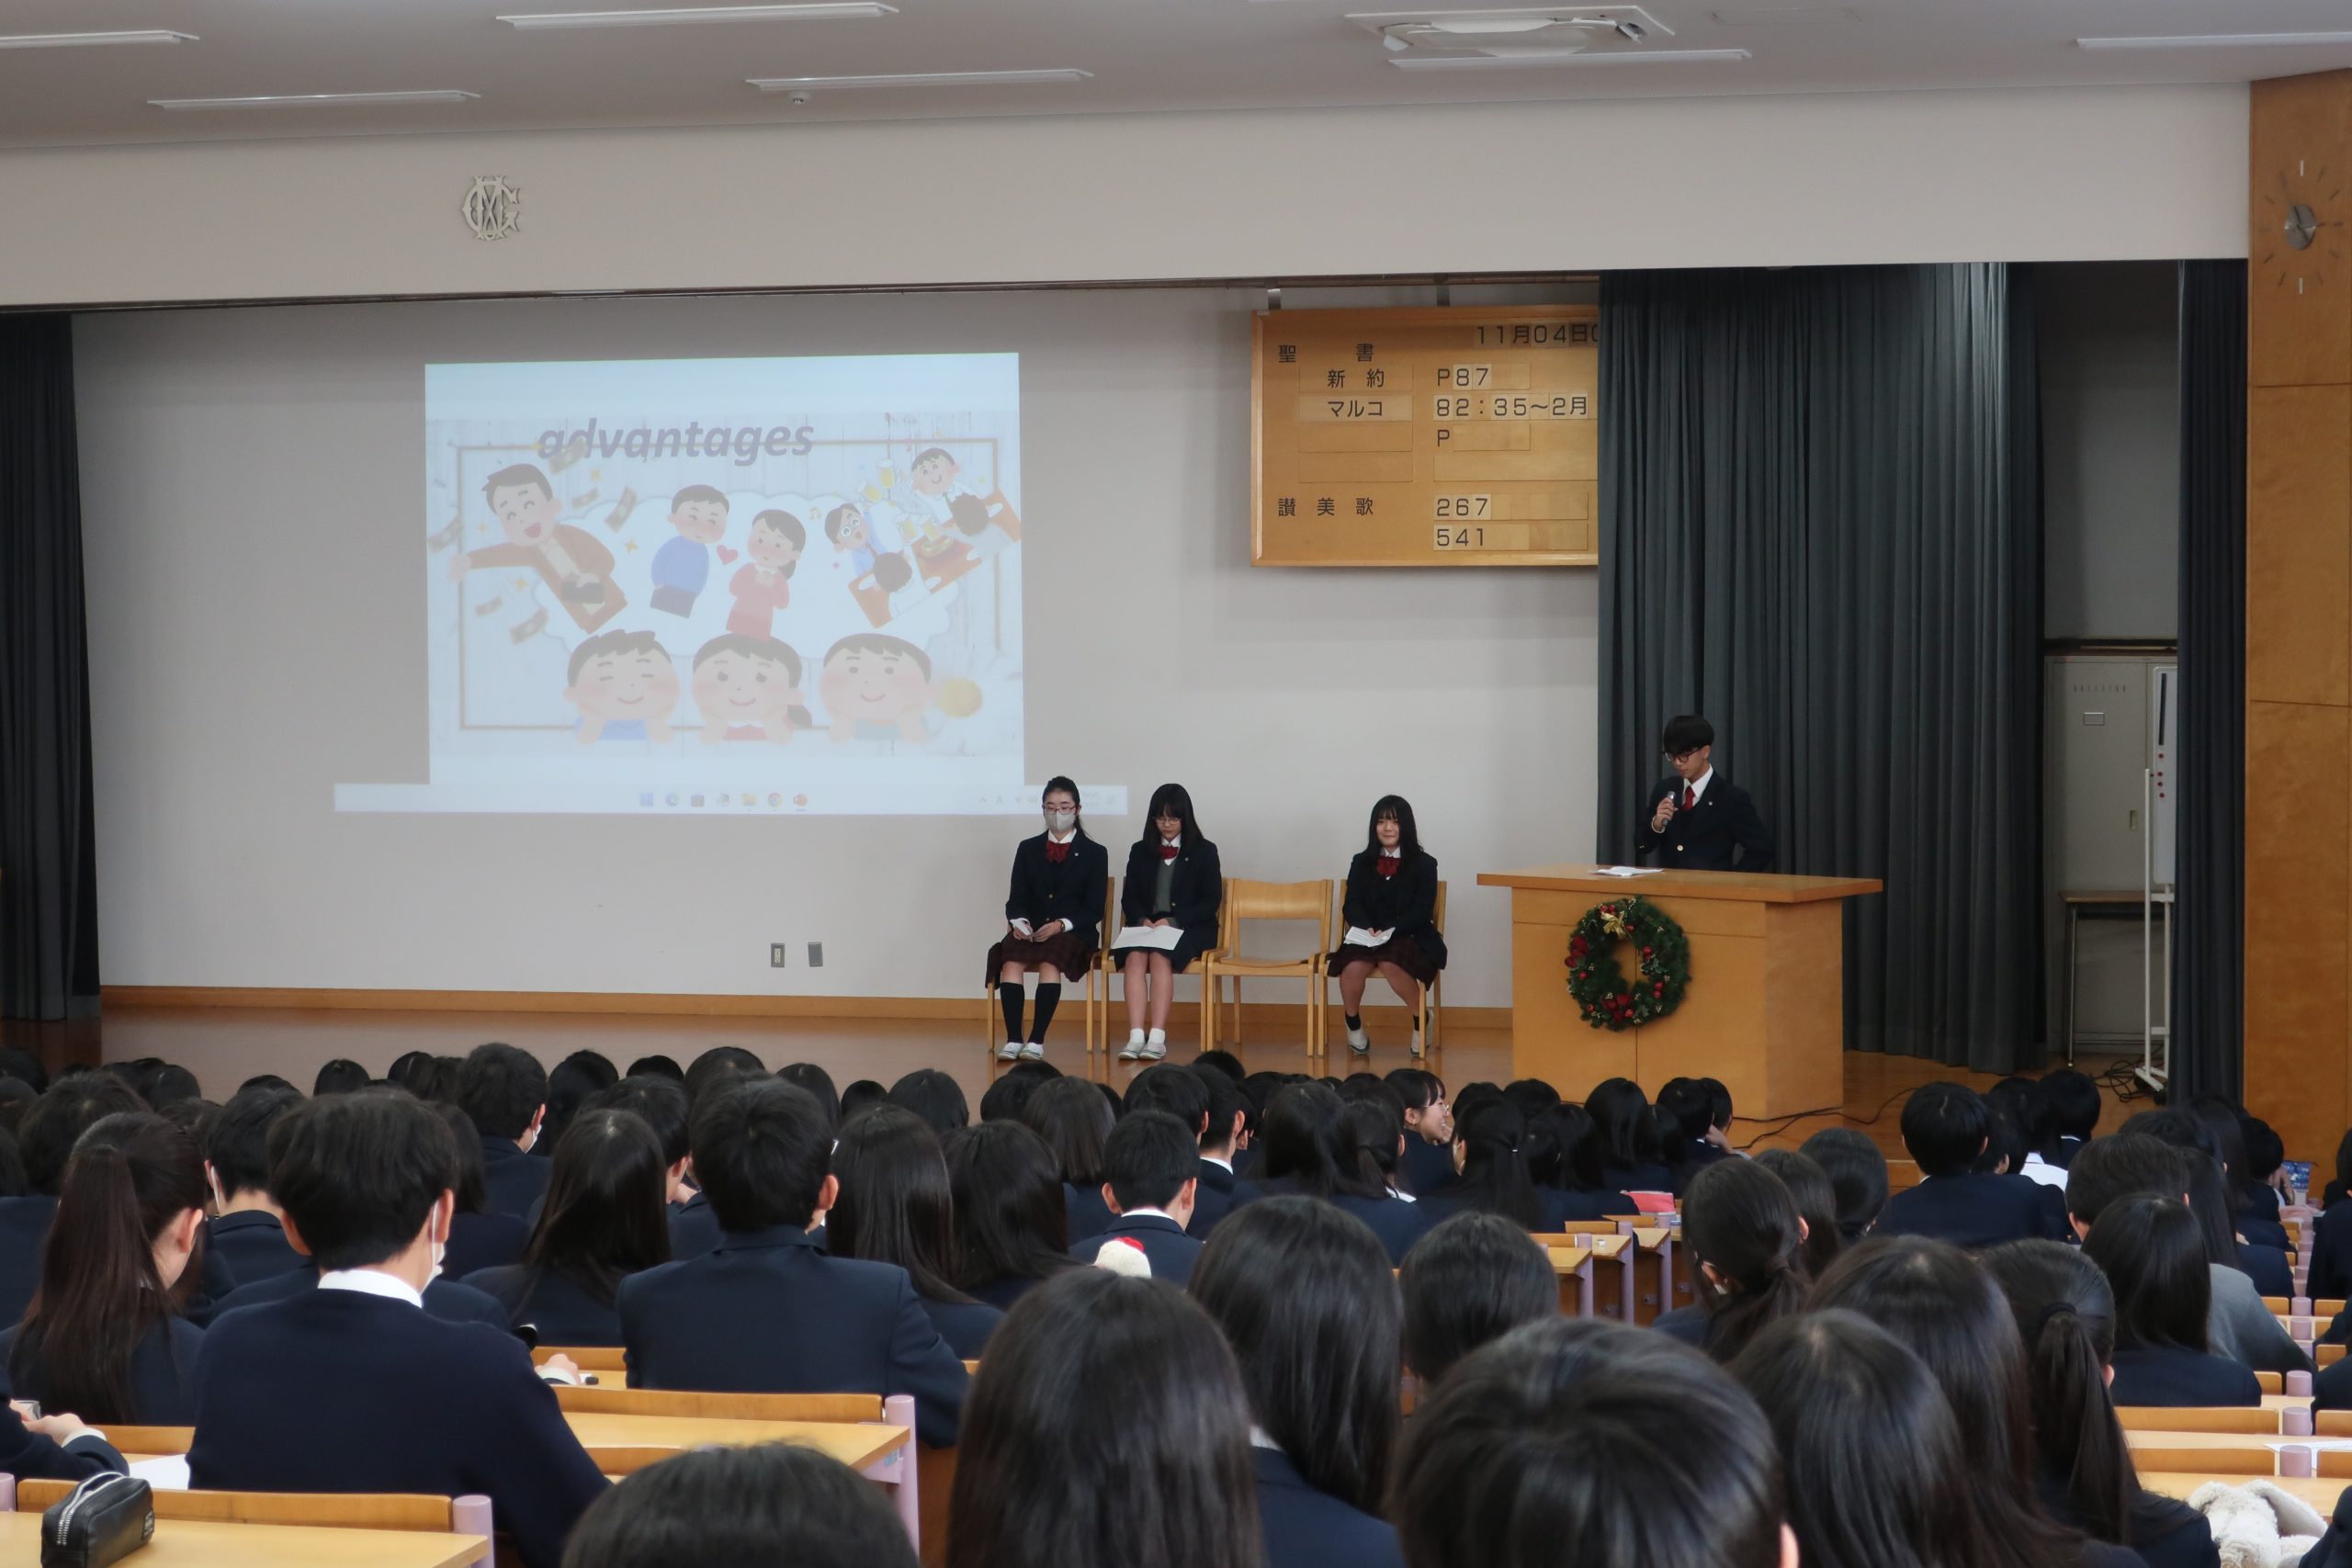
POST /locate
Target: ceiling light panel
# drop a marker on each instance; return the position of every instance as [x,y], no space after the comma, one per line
[685,16]
[918,79]
[1531,59]
[318,100]
[2218,40]
[91,40]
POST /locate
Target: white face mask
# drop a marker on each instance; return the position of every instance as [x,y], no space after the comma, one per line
[1060,821]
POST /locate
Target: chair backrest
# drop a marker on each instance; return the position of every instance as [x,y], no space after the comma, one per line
[721,1406]
[1248,900]
[150,1439]
[2272,1382]
[2332,1423]
[2196,1418]
[587,1358]
[1437,914]
[334,1510]
[2207,1462]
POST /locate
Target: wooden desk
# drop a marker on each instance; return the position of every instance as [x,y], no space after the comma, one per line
[1766,1008]
[2321,1492]
[185,1543]
[856,1445]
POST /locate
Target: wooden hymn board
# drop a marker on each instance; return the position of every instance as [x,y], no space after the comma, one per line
[1454,436]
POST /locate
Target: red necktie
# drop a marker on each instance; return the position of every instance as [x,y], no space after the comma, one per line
[1391,864]
[1167,851]
[1689,800]
[1056,852]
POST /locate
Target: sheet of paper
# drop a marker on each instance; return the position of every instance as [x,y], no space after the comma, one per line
[1022,928]
[168,1474]
[1625,871]
[1163,938]
[1359,937]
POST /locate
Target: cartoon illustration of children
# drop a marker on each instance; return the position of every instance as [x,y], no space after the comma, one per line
[625,687]
[763,586]
[749,689]
[681,567]
[877,687]
[566,559]
[939,554]
[845,526]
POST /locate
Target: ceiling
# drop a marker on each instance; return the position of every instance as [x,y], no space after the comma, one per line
[1142,54]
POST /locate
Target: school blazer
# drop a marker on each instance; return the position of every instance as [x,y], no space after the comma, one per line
[1306,1529]
[1396,1222]
[334,1391]
[556,1306]
[1974,1209]
[26,1455]
[1217,1194]
[1086,1213]
[965,1326]
[249,1245]
[1687,1323]
[771,1312]
[444,1299]
[2266,1267]
[512,1180]
[2164,1532]
[1070,889]
[1406,902]
[1705,836]
[24,1230]
[2166,1375]
[162,1374]
[1165,1245]
[483,1241]
[694,1228]
[1195,893]
[1425,1166]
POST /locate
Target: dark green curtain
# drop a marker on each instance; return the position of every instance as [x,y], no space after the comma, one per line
[1821,526]
[49,914]
[2209,953]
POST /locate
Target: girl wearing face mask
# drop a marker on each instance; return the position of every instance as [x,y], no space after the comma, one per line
[1051,917]
[1173,881]
[1391,913]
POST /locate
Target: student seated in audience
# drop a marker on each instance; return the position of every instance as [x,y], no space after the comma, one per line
[896,1206]
[604,1221]
[1564,1161]
[1745,1241]
[1428,1162]
[1587,1441]
[935,1097]
[860,1094]
[352,1386]
[246,1237]
[819,1085]
[1150,1170]
[2252,1206]
[570,1084]
[66,1109]
[504,1091]
[1307,1299]
[1176,1088]
[1107,1428]
[1816,1201]
[2209,1199]
[1876,1475]
[1221,1192]
[1945,1127]
[2027,1105]
[1858,1175]
[2151,1253]
[480,1237]
[1631,1158]
[103,1337]
[2083,1475]
[1376,1131]
[661,1104]
[775,1506]
[1309,1153]
[1004,1100]
[54,1448]
[1391,893]
[1011,1223]
[767,1311]
[718,1066]
[1073,1118]
[341,1075]
[1470,1280]
[2075,1110]
[1686,1114]
[1491,1166]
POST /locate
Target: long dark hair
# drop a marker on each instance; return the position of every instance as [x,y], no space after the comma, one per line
[1375,1132]
[1306,1140]
[1937,1300]
[130,1177]
[2208,1198]
[1171,800]
[1061,782]
[472,1193]
[1621,1112]
[1856,1174]
[1877,1477]
[1010,1221]
[2150,1250]
[741,1506]
[2066,1313]
[1074,1120]
[1108,1425]
[1309,1305]
[1739,1220]
[1408,837]
[1472,1280]
[606,1216]
[2228,1133]
[570,1084]
[1494,1177]
[1816,1201]
[1564,1149]
[896,1205]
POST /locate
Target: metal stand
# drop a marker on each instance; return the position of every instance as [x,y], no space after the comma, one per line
[2155,1037]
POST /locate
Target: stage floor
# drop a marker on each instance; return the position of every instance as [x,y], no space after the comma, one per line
[224,1046]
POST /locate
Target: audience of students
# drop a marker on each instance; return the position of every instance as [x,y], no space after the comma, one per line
[1631,1157]
[504,1090]
[1011,1217]
[1945,1127]
[1564,1160]
[1472,1280]
[895,1205]
[2150,1250]
[1309,1153]
[246,1236]
[1491,1172]
[603,1220]
[1745,1241]
[45,1139]
[1074,1120]
[775,1506]
[1817,1200]
[479,1236]
[1151,1169]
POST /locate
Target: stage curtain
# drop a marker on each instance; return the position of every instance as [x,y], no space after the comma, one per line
[1821,527]
[2209,953]
[49,918]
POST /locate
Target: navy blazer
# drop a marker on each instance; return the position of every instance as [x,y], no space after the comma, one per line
[2266,1267]
[2331,1269]
[444,1299]
[771,1312]
[965,1326]
[694,1228]
[24,1232]
[1688,1324]
[337,1391]
[1306,1529]
[483,1241]
[1974,1209]
[1404,903]
[1086,1212]
[1217,1194]
[1425,1166]
[1692,1159]
[1006,1288]
[1705,836]
[163,1375]
[1562,1207]
[1195,892]
[26,1455]
[1396,1222]
[2166,1375]
[251,1245]
[1636,1179]
[2164,1531]
[1069,889]
[512,1180]
[1170,1252]
[559,1308]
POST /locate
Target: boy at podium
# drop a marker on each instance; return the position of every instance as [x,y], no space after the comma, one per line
[1695,820]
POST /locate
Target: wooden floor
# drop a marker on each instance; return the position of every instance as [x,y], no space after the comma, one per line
[225,1047]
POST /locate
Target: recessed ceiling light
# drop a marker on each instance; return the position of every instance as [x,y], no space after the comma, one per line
[917,79]
[1563,57]
[2216,41]
[318,100]
[808,11]
[84,40]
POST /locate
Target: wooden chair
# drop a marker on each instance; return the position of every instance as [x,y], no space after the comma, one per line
[331,1510]
[149,1439]
[2207,1462]
[1098,1011]
[2198,1418]
[1247,900]
[597,1359]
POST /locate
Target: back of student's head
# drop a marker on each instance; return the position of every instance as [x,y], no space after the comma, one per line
[1744,1237]
[21,1064]
[501,1088]
[606,1216]
[1416,1088]
[1107,1426]
[2127,1165]
[435,1079]
[659,1101]
[1004,1100]
[133,1193]
[1876,1475]
[12,1163]
[16,1097]
[358,1174]
[2027,1102]
[2066,1314]
[719,1065]
[2226,1132]
[1685,1107]
[1531,1097]
[895,1204]
[570,1084]
[859,1095]
[1148,1159]
[1011,1221]
[161,1083]
[468,1181]
[236,1141]
[1375,1133]
[1586,1441]
[775,1506]
[1816,1201]
[1493,1176]
[66,1109]
[2004,1141]
[1222,1061]
[1856,1174]
[1945,1126]
[1222,1094]
[1471,1279]
[1306,1140]
[1072,1117]
[760,1154]
[1173,1088]
[341,1075]
[659,1066]
[2074,1103]
[1305,1295]
[1621,1112]
[1564,1149]
[2153,1255]
[933,1096]
[819,1085]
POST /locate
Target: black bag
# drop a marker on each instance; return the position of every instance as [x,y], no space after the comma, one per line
[103,1520]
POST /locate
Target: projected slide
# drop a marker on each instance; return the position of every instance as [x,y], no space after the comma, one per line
[721,586]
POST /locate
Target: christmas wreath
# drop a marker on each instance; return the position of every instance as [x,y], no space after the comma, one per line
[1598,985]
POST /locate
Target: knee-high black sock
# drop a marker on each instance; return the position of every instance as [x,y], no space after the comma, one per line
[1049,997]
[1008,995]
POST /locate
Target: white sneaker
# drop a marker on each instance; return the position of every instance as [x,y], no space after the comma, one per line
[1008,1052]
[1134,1050]
[1155,1047]
[1033,1052]
[1359,1041]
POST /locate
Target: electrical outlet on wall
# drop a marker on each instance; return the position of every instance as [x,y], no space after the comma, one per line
[775,954]
[816,955]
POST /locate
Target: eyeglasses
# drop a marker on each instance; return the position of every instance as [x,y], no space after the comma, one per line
[1683,756]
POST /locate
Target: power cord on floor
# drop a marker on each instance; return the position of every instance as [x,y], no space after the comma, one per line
[1781,1124]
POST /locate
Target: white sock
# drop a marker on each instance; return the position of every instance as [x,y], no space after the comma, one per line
[1158,1037]
[1135,1036]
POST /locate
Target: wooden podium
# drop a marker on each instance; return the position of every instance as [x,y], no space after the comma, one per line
[1766,1009]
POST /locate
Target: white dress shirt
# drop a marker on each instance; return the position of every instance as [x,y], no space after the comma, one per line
[371,1282]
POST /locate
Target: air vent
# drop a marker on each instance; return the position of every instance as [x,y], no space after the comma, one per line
[1535,33]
